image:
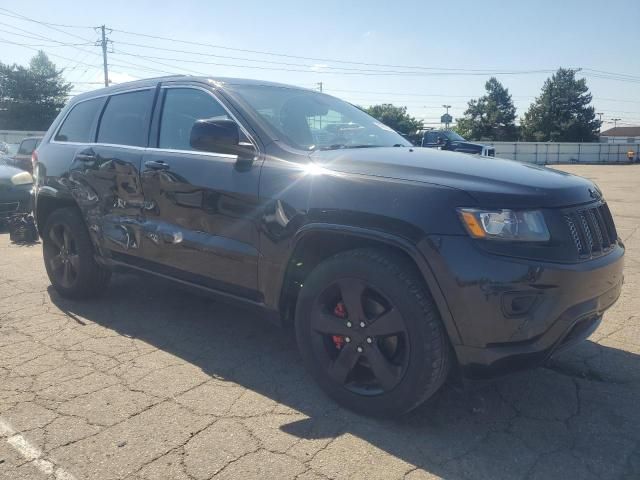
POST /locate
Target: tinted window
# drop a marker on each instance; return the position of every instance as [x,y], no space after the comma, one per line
[182,107]
[125,119]
[28,146]
[311,120]
[453,136]
[78,124]
[430,138]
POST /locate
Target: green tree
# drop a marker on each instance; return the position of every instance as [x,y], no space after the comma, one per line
[30,98]
[397,118]
[490,117]
[562,112]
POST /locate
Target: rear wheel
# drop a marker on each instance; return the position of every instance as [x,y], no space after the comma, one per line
[69,256]
[369,333]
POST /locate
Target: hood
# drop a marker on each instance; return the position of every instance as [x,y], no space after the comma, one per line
[468,145]
[6,172]
[492,182]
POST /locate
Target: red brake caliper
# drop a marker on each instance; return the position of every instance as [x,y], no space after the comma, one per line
[341,312]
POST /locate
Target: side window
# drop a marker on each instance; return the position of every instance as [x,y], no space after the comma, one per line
[79,123]
[126,118]
[182,107]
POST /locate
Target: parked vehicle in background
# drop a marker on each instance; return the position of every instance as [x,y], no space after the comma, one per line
[22,159]
[450,140]
[397,265]
[12,149]
[15,190]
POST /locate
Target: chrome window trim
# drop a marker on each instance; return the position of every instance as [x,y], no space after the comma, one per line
[193,152]
[93,97]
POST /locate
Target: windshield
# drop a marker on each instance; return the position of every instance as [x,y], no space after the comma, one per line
[453,136]
[314,121]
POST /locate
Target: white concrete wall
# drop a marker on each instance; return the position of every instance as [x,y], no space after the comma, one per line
[16,136]
[551,152]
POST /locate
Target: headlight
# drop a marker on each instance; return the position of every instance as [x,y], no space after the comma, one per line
[511,225]
[22,178]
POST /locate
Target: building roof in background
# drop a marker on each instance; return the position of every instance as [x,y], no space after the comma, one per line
[621,132]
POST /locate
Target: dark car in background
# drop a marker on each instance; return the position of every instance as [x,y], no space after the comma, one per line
[22,159]
[15,190]
[450,140]
[397,266]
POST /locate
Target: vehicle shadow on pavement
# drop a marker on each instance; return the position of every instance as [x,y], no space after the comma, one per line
[577,418]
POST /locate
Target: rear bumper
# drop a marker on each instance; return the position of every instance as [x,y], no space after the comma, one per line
[513,314]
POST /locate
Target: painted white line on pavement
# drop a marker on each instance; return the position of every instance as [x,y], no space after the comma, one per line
[31,453]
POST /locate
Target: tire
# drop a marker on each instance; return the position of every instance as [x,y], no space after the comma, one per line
[69,256]
[391,295]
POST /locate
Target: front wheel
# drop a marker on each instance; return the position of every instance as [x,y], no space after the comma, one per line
[69,256]
[370,334]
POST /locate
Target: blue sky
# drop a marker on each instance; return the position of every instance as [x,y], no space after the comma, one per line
[505,36]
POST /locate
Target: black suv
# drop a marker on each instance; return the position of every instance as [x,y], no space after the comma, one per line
[449,140]
[396,265]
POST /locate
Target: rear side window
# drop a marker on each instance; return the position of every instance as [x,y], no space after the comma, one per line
[79,123]
[430,138]
[126,118]
[182,107]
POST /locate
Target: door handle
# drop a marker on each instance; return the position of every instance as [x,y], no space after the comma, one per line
[156,165]
[86,156]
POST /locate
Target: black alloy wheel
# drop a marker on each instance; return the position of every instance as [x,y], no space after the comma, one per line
[360,337]
[369,332]
[63,257]
[69,256]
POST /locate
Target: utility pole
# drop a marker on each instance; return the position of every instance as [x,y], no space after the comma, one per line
[600,120]
[319,86]
[104,55]
[615,122]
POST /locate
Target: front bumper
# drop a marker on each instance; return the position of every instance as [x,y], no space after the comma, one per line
[14,200]
[513,314]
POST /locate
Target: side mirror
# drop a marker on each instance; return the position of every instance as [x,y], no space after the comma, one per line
[222,135]
[219,135]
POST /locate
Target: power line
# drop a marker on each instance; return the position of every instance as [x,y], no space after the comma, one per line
[416,94]
[440,70]
[635,77]
[323,69]
[300,57]
[2,40]
[22,17]
[39,37]
[339,70]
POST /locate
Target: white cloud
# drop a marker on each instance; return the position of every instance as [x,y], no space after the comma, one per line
[318,67]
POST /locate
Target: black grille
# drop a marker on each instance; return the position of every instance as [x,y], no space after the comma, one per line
[592,230]
[8,208]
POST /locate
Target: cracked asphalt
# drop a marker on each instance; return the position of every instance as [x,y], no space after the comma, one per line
[150,382]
